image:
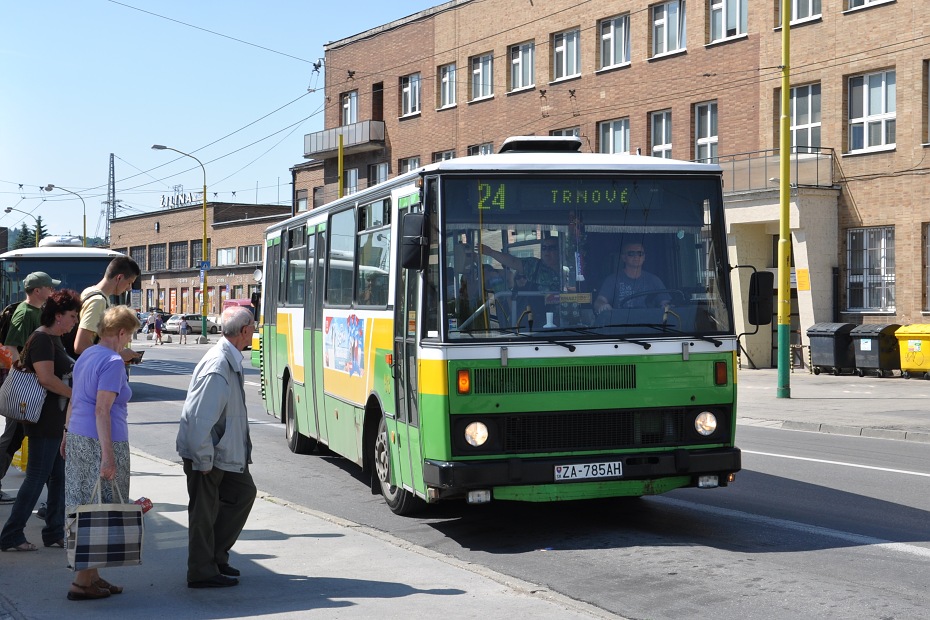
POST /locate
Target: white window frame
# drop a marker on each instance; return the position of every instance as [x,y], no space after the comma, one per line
[410,94]
[705,133]
[485,148]
[226,257]
[377,173]
[249,254]
[447,85]
[728,19]
[407,164]
[482,76]
[870,269]
[660,130]
[877,113]
[861,4]
[805,117]
[349,108]
[522,65]
[443,155]
[614,136]
[669,27]
[566,54]
[566,131]
[615,41]
[349,181]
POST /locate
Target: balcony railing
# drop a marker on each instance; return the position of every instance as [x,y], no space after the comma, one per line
[757,170]
[356,138]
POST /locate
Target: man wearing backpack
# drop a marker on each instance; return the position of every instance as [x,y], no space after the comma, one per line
[25,319]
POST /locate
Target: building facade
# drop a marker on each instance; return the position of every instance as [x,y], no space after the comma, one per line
[168,247]
[696,81]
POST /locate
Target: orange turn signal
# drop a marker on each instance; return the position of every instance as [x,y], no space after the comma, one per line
[389,359]
[464,382]
[720,373]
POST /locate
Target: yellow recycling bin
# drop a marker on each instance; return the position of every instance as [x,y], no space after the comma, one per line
[914,347]
[21,456]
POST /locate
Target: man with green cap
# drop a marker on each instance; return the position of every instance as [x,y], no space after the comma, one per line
[27,317]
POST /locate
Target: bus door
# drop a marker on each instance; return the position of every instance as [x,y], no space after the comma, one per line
[270,346]
[405,374]
[313,322]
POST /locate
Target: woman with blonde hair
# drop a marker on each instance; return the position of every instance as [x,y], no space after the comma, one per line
[97,440]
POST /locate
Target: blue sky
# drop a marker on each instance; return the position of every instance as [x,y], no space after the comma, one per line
[81,80]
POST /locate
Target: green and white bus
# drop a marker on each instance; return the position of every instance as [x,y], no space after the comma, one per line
[416,328]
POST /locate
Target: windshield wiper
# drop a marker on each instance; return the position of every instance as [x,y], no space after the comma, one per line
[662,327]
[590,332]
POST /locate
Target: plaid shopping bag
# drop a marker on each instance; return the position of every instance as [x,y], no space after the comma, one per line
[102,535]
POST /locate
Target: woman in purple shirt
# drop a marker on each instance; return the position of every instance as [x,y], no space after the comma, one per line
[97,444]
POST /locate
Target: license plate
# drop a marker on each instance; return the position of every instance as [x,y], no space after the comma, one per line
[584,471]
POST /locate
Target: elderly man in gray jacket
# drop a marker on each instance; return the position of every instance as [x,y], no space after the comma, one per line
[213,440]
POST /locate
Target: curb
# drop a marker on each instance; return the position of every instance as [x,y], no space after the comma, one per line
[838,429]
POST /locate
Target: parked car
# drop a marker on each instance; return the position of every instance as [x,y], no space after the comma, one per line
[172,326]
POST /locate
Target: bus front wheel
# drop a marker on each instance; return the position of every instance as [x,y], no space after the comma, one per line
[400,501]
[297,443]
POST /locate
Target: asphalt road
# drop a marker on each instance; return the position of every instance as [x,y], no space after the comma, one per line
[816,525]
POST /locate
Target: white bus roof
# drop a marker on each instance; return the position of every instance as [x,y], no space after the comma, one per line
[60,252]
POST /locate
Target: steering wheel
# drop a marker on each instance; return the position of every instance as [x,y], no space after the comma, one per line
[673,294]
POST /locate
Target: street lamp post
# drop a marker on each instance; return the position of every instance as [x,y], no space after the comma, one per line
[204,255]
[50,187]
[10,209]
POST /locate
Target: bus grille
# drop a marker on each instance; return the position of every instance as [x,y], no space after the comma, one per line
[594,430]
[562,379]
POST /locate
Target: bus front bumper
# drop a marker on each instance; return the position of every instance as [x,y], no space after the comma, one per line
[464,475]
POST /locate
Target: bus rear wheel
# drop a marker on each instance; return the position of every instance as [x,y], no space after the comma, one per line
[297,443]
[400,501]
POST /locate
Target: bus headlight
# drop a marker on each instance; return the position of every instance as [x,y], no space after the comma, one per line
[476,434]
[705,423]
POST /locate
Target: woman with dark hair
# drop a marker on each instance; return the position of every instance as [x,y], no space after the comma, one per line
[97,444]
[44,354]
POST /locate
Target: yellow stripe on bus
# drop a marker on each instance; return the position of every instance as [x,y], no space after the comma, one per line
[434,378]
[285,329]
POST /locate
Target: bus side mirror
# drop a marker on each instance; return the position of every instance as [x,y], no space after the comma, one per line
[414,244]
[761,297]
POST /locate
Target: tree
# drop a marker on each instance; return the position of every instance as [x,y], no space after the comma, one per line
[24,238]
[43,232]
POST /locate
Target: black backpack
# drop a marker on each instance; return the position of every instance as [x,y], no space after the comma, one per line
[6,319]
[68,339]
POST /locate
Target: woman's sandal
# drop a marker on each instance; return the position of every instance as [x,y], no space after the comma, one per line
[86,593]
[103,584]
[26,546]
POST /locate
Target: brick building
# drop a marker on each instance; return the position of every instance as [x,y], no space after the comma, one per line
[691,81]
[168,244]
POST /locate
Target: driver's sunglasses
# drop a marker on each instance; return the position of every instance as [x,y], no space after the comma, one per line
[636,253]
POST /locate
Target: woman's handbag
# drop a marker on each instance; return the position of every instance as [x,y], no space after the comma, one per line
[21,396]
[102,535]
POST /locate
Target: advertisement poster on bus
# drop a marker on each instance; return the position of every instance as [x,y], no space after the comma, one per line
[344,348]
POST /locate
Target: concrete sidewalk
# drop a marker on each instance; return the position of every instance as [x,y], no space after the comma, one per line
[295,563]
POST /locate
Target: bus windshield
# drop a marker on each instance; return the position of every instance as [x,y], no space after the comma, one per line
[582,254]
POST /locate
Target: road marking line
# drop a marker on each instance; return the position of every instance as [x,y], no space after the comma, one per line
[803,458]
[805,528]
[253,383]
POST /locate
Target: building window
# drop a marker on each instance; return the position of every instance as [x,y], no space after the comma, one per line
[377,173]
[485,148]
[408,164]
[568,131]
[196,249]
[138,254]
[350,181]
[614,136]
[225,257]
[668,27]
[705,132]
[443,155]
[801,10]
[805,118]
[660,127]
[615,41]
[728,18]
[855,4]
[447,85]
[350,107]
[870,269]
[410,94]
[250,254]
[177,255]
[872,111]
[482,76]
[566,54]
[522,65]
[157,257]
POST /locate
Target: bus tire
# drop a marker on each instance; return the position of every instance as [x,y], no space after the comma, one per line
[297,443]
[400,501]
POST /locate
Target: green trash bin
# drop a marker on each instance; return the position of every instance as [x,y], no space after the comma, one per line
[875,348]
[831,348]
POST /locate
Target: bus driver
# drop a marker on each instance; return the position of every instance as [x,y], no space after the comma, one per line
[629,287]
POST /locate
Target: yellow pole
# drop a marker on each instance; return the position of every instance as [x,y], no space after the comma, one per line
[340,171]
[784,214]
